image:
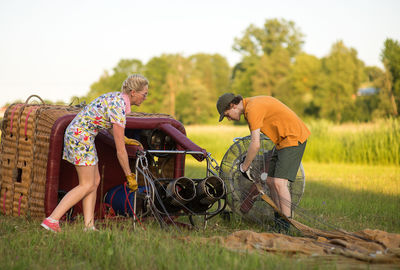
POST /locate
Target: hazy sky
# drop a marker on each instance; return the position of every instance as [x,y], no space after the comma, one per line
[57,49]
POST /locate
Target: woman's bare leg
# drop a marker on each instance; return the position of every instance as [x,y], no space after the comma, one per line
[86,175]
[89,201]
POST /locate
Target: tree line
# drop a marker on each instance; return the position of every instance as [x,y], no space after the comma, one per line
[272,63]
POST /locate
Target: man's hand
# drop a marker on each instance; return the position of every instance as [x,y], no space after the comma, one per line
[246,174]
[251,154]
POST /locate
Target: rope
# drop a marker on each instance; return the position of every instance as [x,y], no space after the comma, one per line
[132,207]
[150,182]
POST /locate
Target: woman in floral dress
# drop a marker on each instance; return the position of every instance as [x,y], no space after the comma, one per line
[105,112]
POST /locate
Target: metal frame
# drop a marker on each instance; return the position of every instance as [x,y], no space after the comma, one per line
[212,170]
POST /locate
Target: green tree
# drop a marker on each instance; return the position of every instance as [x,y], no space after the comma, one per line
[179,68]
[342,75]
[298,91]
[212,74]
[242,75]
[276,34]
[271,70]
[113,82]
[367,107]
[391,60]
[266,56]
[191,107]
[156,71]
[213,71]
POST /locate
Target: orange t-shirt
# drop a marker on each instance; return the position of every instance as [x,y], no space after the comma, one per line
[275,120]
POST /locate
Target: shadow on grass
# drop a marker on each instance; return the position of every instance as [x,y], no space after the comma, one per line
[352,209]
[341,207]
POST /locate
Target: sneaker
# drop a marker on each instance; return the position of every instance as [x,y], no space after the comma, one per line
[281,225]
[51,226]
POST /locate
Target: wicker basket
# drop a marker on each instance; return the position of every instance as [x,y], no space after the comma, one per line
[25,136]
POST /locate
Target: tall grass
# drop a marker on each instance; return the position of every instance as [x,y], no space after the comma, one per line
[372,143]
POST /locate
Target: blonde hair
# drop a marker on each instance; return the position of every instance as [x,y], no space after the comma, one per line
[135,82]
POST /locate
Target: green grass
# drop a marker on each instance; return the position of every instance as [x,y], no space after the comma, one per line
[352,197]
[347,195]
[119,246]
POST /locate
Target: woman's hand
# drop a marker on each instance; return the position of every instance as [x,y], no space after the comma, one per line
[132,183]
[130,141]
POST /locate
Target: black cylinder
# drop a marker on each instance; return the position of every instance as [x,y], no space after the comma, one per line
[210,190]
[180,191]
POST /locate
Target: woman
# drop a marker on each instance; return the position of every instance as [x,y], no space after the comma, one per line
[105,112]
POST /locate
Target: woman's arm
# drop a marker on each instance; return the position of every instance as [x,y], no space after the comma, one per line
[122,155]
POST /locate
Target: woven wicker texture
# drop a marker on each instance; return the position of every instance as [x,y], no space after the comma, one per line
[25,142]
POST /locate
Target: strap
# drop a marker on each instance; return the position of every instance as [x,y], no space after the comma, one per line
[127,200]
[132,208]
[26,120]
[36,96]
[12,115]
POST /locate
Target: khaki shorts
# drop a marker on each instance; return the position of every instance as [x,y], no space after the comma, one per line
[286,161]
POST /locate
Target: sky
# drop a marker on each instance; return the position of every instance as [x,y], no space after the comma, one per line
[57,49]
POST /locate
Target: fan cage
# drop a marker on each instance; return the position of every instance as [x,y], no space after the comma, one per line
[238,187]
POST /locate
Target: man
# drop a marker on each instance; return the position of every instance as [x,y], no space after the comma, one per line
[279,123]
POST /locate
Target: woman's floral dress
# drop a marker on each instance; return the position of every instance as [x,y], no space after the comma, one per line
[101,113]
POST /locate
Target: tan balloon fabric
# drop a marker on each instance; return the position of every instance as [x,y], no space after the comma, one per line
[377,247]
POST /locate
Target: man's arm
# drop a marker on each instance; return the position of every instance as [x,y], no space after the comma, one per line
[253,149]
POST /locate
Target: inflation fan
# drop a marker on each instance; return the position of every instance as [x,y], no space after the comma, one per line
[239,188]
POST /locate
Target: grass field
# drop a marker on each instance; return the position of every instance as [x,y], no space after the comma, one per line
[348,196]
[354,194]
[351,195]
[367,143]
